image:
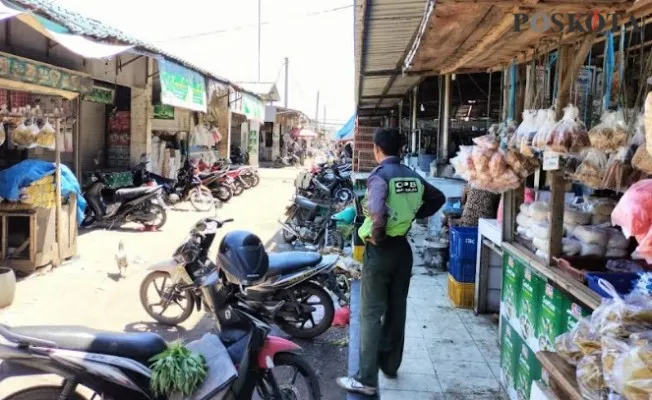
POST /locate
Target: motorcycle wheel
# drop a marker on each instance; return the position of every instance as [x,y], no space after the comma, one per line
[160,221]
[296,328]
[201,198]
[255,179]
[222,193]
[245,182]
[238,188]
[334,239]
[150,279]
[43,393]
[343,195]
[287,367]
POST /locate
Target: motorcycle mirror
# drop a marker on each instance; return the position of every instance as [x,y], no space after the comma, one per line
[200,227]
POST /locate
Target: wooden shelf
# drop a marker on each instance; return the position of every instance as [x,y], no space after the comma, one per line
[562,375]
[559,277]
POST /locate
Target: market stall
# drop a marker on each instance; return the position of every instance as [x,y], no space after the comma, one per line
[40,202]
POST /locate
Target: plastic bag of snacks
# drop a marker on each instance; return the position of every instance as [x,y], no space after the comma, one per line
[497,164]
[578,342]
[23,136]
[632,373]
[617,171]
[618,317]
[590,379]
[592,235]
[574,216]
[527,129]
[481,157]
[527,140]
[612,348]
[488,141]
[463,163]
[642,160]
[647,120]
[611,133]
[592,170]
[548,123]
[539,210]
[46,136]
[569,134]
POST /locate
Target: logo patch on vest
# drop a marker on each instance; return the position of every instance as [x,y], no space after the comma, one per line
[407,186]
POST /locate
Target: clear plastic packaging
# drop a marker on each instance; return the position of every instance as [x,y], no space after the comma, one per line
[547,125]
[592,250]
[540,230]
[525,132]
[618,317]
[617,240]
[575,216]
[487,141]
[590,379]
[578,342]
[46,136]
[612,349]
[611,133]
[642,160]
[647,118]
[525,209]
[592,170]
[632,373]
[481,157]
[539,210]
[616,253]
[592,235]
[22,136]
[569,134]
[497,164]
[599,205]
[617,171]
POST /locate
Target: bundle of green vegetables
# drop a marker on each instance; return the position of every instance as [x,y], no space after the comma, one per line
[177,370]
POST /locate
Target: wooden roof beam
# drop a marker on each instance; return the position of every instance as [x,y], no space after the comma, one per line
[554,5]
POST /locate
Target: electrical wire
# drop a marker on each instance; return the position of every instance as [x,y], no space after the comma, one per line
[248,26]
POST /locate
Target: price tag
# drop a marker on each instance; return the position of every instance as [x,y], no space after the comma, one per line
[550,161]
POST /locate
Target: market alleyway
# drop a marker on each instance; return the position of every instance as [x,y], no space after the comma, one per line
[450,354]
[88,291]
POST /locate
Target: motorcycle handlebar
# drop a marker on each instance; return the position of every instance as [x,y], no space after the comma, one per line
[220,223]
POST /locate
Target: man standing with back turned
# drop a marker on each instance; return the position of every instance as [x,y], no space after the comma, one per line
[396,195]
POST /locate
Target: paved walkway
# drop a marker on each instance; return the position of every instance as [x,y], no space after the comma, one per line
[450,354]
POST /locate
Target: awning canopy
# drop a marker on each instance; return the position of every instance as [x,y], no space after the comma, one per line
[302,133]
[346,131]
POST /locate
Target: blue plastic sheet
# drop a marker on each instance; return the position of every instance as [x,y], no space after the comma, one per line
[28,171]
[346,131]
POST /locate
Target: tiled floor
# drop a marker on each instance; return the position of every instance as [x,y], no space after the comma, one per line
[449,354]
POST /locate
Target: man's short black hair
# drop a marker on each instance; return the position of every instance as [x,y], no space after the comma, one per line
[388,140]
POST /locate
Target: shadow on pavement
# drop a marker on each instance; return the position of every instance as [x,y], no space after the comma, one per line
[169,333]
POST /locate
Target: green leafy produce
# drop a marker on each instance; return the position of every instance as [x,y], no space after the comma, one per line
[346,230]
[177,370]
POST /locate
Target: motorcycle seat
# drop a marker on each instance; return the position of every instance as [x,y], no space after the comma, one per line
[306,203]
[137,346]
[132,193]
[287,262]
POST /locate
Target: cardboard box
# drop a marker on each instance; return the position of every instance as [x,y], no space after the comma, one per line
[528,371]
[512,276]
[510,347]
[574,312]
[532,288]
[552,321]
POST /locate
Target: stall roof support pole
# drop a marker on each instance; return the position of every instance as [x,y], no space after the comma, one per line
[400,117]
[413,120]
[568,63]
[556,227]
[57,181]
[444,134]
[489,102]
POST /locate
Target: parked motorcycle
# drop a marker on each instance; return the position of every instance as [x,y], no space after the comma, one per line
[249,174]
[187,187]
[115,365]
[326,182]
[289,161]
[220,185]
[238,156]
[311,225]
[280,287]
[119,206]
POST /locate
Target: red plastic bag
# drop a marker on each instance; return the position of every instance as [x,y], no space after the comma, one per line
[633,214]
[342,317]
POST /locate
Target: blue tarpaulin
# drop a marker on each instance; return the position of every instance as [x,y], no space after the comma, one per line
[28,171]
[346,132]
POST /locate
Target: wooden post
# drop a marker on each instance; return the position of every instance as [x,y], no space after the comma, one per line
[556,227]
[76,131]
[57,182]
[520,101]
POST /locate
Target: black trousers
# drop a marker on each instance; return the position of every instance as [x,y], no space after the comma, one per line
[385,282]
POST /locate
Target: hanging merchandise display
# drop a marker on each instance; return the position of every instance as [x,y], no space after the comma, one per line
[611,133]
[569,135]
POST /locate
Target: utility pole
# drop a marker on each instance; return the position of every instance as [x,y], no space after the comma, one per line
[259,29]
[317,110]
[287,84]
[324,117]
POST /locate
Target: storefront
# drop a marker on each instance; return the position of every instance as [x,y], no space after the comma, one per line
[248,113]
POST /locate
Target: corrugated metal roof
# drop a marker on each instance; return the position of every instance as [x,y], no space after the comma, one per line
[95,29]
[384,31]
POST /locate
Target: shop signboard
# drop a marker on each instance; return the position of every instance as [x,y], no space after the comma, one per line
[163,111]
[24,70]
[100,95]
[182,87]
[248,105]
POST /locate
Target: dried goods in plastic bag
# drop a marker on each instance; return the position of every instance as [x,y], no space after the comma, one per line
[526,130]
[612,348]
[497,164]
[578,342]
[540,230]
[627,266]
[642,160]
[592,169]
[548,123]
[632,373]
[23,136]
[618,317]
[611,133]
[575,216]
[599,205]
[525,209]
[47,136]
[592,235]
[647,119]
[615,177]
[590,379]
[481,157]
[617,240]
[539,210]
[488,141]
[569,134]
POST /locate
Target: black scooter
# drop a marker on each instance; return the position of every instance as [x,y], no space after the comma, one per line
[119,206]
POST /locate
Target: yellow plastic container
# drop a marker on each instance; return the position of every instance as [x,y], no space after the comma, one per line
[358,253]
[460,294]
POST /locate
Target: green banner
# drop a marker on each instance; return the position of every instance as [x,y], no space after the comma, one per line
[100,95]
[28,71]
[182,87]
[252,107]
[163,111]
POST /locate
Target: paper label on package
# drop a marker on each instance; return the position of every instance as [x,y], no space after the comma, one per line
[550,161]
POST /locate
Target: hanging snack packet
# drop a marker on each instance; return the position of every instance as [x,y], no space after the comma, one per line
[592,169]
[524,130]
[488,141]
[611,133]
[569,134]
[547,125]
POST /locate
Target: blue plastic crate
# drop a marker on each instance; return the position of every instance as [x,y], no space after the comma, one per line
[622,282]
[463,242]
[462,271]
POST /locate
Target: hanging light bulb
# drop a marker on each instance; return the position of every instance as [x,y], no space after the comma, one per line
[422,108]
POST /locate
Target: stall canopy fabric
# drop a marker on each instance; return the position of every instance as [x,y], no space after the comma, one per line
[346,132]
[302,133]
[86,48]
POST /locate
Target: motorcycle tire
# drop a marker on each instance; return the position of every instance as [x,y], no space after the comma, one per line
[238,188]
[222,193]
[249,180]
[334,239]
[245,182]
[44,392]
[157,209]
[201,198]
[298,364]
[314,290]
[343,195]
[172,321]
[255,179]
